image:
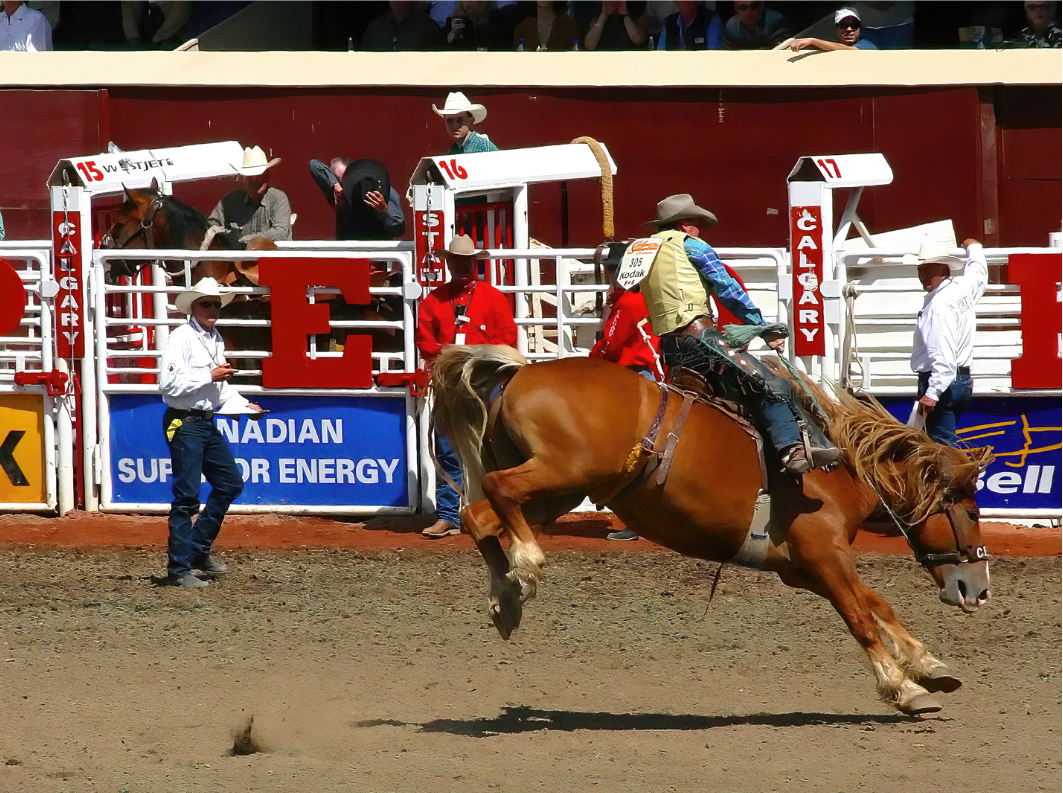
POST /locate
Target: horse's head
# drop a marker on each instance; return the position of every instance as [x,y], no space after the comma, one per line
[948,541]
[134,227]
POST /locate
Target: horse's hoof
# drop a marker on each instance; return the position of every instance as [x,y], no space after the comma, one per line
[500,624]
[920,704]
[940,680]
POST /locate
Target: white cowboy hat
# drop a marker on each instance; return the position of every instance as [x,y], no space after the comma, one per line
[933,251]
[205,287]
[462,245]
[255,162]
[679,207]
[457,103]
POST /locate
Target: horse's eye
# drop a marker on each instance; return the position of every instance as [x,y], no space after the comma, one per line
[973,515]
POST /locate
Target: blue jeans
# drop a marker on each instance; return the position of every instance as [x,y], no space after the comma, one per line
[448,502]
[198,450]
[778,422]
[941,421]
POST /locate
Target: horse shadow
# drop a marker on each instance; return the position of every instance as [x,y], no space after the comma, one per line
[519,719]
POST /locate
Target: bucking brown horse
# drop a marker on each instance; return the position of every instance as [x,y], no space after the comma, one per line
[573,428]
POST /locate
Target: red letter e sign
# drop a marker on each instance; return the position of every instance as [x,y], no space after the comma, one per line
[293,319]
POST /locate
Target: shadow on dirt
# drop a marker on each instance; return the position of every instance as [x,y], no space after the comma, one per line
[521,719]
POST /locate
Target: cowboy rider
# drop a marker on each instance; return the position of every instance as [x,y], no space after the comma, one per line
[677,289]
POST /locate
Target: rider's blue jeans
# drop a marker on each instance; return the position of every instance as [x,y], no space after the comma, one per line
[448,503]
[941,421]
[198,450]
[779,423]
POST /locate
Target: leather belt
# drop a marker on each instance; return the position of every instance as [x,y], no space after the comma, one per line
[202,414]
[697,325]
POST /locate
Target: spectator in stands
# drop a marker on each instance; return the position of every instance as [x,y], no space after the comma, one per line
[356,190]
[459,117]
[462,311]
[405,27]
[474,26]
[755,27]
[256,209]
[22,29]
[162,24]
[889,26]
[944,335]
[550,29]
[618,26]
[847,30]
[1041,33]
[196,384]
[692,27]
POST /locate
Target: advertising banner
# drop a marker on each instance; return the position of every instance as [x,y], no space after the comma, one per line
[1026,435]
[22,453]
[307,451]
[808,240]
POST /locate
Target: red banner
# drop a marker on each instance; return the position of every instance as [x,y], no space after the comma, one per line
[69,308]
[1038,277]
[427,239]
[806,250]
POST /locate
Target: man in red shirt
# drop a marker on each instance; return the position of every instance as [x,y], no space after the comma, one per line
[462,311]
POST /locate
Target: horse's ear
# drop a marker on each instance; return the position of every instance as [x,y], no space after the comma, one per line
[154,184]
[128,195]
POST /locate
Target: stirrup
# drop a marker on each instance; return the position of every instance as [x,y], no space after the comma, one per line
[792,463]
[822,457]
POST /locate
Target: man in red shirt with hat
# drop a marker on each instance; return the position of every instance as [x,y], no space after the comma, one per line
[464,310]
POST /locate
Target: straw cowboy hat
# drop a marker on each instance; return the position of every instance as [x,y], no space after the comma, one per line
[255,162]
[457,103]
[462,245]
[932,251]
[205,287]
[678,207]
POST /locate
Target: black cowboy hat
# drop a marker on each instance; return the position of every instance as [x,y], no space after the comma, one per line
[364,176]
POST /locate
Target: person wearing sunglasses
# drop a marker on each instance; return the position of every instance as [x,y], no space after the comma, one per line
[1042,32]
[195,384]
[755,27]
[847,29]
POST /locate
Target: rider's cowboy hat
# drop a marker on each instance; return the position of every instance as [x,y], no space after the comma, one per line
[205,287]
[255,162]
[932,251]
[457,103]
[462,245]
[679,207]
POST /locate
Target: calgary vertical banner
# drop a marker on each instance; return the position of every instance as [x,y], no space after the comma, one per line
[806,250]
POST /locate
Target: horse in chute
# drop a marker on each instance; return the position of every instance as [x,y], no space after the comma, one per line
[576,427]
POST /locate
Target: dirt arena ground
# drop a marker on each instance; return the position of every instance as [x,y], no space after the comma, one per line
[347,657]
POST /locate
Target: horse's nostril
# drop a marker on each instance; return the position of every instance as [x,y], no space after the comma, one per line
[961,587]
[984,596]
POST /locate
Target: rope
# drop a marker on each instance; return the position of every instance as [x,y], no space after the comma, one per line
[607,184]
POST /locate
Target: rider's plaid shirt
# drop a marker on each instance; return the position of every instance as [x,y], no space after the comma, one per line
[474,143]
[729,292]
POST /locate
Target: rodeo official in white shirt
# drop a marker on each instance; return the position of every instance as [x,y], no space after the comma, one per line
[944,335]
[195,386]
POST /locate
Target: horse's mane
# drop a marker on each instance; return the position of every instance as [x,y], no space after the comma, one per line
[184,219]
[910,470]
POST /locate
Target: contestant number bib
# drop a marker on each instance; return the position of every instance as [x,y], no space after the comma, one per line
[636,262]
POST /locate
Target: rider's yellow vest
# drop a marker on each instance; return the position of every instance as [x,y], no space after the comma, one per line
[674,291]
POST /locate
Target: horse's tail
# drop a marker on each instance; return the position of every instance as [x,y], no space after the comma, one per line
[463,378]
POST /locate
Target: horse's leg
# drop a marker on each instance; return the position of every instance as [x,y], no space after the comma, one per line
[508,490]
[923,667]
[836,580]
[504,604]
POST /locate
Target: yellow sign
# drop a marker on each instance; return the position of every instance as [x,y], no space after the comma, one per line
[22,449]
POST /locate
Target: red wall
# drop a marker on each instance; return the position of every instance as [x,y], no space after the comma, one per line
[731,148]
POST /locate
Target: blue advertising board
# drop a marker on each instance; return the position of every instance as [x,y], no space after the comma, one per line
[1026,435]
[307,451]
